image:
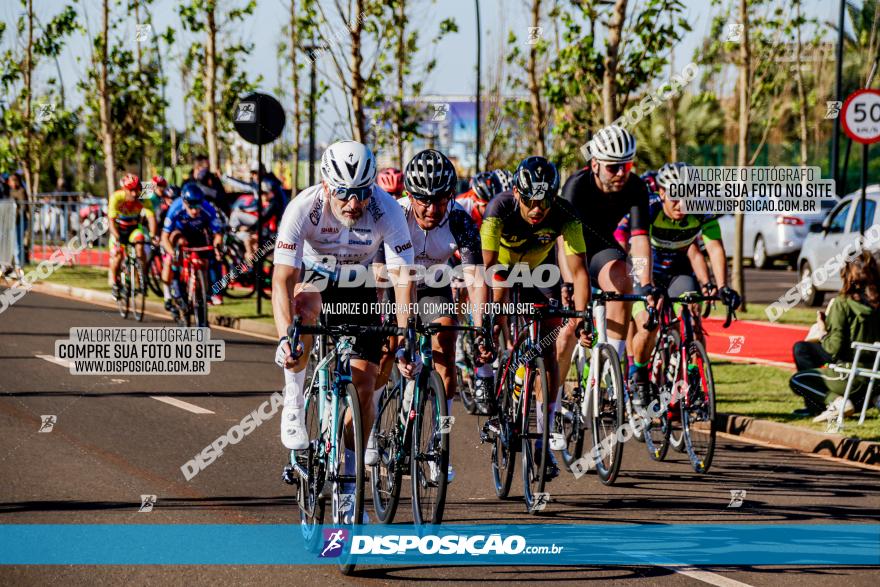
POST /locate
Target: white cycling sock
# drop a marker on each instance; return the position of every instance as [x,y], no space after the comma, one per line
[619,346]
[551,413]
[166,291]
[294,394]
[449,407]
[485,371]
[377,393]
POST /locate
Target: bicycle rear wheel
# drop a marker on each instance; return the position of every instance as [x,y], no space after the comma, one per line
[138,290]
[348,479]
[386,475]
[533,459]
[698,408]
[503,451]
[430,453]
[607,395]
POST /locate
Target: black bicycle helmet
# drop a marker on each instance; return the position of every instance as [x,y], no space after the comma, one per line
[486,185]
[430,175]
[536,179]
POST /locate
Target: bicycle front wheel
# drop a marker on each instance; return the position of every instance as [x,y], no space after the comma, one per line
[138,291]
[698,409]
[154,272]
[199,299]
[313,460]
[465,375]
[430,452]
[662,366]
[534,457]
[348,479]
[122,301]
[503,451]
[607,414]
[387,473]
[570,416]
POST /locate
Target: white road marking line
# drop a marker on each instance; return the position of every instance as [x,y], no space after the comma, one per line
[181,404]
[706,576]
[60,362]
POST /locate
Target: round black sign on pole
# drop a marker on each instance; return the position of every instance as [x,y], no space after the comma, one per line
[259,120]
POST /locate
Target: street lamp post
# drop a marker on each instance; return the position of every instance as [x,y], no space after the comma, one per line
[479,53]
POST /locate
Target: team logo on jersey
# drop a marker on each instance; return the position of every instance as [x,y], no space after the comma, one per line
[374,210]
[315,214]
[329,230]
[401,248]
[544,237]
[284,245]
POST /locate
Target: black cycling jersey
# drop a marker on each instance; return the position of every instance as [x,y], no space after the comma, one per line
[601,212]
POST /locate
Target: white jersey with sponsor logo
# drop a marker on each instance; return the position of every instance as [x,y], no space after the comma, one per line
[310,232]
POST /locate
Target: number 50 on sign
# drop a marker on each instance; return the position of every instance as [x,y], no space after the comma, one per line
[861,116]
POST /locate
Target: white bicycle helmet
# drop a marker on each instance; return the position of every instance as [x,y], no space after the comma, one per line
[348,164]
[613,143]
[669,174]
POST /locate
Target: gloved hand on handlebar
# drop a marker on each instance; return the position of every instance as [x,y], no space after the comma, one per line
[730,297]
[710,289]
[409,369]
[651,291]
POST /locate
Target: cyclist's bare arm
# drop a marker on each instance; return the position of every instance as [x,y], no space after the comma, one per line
[567,275]
[284,279]
[577,267]
[698,263]
[475,277]
[640,248]
[166,243]
[718,258]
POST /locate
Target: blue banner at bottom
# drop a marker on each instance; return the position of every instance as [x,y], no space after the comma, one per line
[528,544]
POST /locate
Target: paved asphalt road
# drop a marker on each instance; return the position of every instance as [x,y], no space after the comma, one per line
[767,285]
[113,442]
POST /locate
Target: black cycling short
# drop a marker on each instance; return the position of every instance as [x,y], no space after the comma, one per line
[367,347]
[596,259]
[434,303]
[675,274]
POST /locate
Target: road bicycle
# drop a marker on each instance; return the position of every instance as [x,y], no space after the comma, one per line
[681,375]
[412,434]
[192,304]
[132,283]
[599,397]
[514,428]
[333,413]
[465,366]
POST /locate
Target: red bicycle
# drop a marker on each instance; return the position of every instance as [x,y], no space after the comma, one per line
[193,301]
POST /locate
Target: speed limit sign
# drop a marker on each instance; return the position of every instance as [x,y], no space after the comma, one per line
[861,116]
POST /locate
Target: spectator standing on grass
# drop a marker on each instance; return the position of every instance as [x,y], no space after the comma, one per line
[854,316]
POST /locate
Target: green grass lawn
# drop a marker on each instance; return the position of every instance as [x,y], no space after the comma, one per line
[762,392]
[798,315]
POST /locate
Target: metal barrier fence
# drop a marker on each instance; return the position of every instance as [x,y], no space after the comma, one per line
[52,219]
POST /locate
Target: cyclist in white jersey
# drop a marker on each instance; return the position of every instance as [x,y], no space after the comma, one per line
[439,228]
[333,229]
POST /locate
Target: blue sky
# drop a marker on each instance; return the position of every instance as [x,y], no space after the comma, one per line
[455,54]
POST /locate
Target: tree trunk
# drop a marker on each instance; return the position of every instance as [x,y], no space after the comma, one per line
[357,81]
[743,143]
[27,162]
[140,68]
[799,78]
[401,66]
[612,45]
[297,114]
[104,102]
[210,83]
[538,115]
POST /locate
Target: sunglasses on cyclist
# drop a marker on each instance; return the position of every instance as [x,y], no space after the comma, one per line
[543,203]
[345,194]
[428,202]
[615,168]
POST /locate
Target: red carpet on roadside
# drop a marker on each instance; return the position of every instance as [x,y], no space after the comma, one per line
[746,340]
